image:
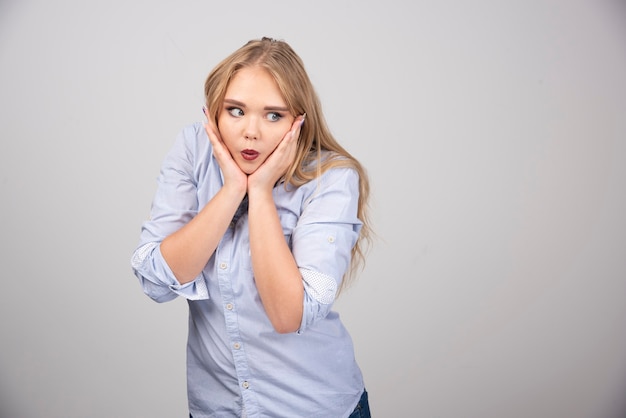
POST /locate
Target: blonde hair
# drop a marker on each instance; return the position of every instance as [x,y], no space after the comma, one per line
[287,69]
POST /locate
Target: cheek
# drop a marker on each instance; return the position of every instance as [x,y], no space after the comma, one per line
[275,141]
[277,134]
[227,133]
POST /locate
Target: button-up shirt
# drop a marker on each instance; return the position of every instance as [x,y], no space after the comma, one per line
[236,362]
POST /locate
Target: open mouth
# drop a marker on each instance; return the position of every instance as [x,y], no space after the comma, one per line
[249,154]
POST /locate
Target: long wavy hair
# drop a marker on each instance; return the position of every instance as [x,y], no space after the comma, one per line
[317,147]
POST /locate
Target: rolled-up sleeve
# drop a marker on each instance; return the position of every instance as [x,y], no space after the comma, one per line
[175,203]
[323,239]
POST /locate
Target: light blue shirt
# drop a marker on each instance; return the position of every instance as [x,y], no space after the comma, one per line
[236,362]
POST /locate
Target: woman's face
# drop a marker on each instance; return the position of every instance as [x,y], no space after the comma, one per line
[254,117]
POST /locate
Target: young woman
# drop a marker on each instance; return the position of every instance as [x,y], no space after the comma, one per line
[258,221]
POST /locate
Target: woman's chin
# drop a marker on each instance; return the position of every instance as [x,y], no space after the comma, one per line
[248,168]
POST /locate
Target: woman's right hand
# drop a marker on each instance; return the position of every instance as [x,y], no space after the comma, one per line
[233,176]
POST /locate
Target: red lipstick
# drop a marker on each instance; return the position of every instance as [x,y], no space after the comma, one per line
[249,154]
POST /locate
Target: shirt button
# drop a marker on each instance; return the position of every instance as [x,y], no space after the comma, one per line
[229,306]
[331,239]
[245,385]
[223,266]
[236,346]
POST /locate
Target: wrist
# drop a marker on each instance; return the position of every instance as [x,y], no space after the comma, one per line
[260,192]
[235,192]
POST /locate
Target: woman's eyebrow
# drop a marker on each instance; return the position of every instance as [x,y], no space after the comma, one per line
[276,108]
[235,102]
[270,108]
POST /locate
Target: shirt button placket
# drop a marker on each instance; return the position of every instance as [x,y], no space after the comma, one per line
[230,316]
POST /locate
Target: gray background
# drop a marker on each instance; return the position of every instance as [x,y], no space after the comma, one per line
[495,137]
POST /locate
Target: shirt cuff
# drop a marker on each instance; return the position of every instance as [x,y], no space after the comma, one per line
[193,290]
[154,271]
[319,294]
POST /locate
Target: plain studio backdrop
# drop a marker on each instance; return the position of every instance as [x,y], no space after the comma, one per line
[495,137]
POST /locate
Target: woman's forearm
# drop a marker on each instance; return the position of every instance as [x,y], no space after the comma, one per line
[187,250]
[276,273]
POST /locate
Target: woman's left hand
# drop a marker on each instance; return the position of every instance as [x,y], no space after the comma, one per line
[278,162]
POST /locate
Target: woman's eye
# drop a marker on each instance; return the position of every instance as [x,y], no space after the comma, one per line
[235,111]
[274,117]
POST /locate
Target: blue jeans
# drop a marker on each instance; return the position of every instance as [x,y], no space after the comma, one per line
[362,409]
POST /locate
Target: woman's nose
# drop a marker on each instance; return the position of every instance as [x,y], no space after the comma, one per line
[251,129]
